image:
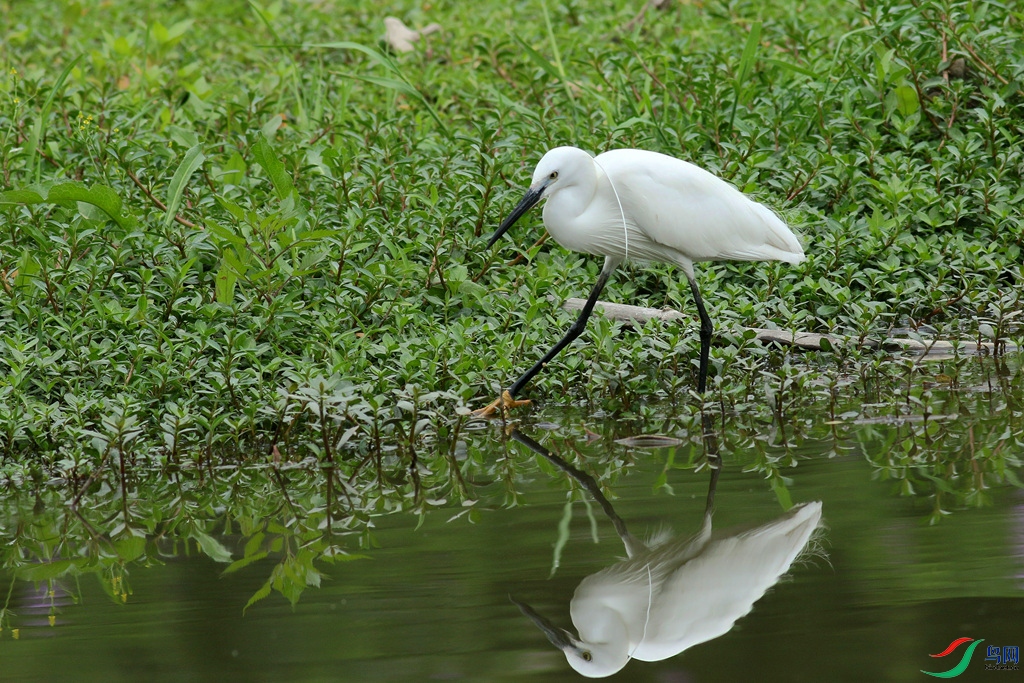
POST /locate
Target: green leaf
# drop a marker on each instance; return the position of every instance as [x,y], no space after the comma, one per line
[263,592]
[183,136]
[789,66]
[266,157]
[28,268]
[240,264]
[781,492]
[212,547]
[939,482]
[193,159]
[21,197]
[907,102]
[508,103]
[254,544]
[185,267]
[42,572]
[130,547]
[392,84]
[225,234]
[159,32]
[405,89]
[233,171]
[563,537]
[270,128]
[245,561]
[232,208]
[745,68]
[315,235]
[376,56]
[403,85]
[226,279]
[99,196]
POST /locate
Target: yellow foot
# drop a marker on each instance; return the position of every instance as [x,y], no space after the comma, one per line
[503,404]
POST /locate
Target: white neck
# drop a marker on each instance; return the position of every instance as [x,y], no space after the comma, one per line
[567,203]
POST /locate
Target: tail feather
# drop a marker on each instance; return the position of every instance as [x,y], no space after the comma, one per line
[782,244]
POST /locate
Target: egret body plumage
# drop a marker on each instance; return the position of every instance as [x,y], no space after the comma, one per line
[666,598]
[645,206]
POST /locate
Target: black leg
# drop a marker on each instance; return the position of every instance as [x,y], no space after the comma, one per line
[705,335]
[633,546]
[574,331]
[714,460]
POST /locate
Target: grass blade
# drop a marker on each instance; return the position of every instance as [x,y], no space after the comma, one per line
[37,130]
[749,55]
[296,86]
[402,84]
[554,49]
[540,60]
[746,66]
[789,66]
[375,55]
[193,159]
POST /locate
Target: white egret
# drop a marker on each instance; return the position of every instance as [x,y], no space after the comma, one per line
[664,599]
[671,594]
[645,206]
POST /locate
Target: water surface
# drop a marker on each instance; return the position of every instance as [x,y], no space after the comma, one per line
[900,571]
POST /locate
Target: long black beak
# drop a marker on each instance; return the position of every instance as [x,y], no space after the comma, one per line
[528,201]
[559,637]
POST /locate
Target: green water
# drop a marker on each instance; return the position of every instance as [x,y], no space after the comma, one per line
[891,581]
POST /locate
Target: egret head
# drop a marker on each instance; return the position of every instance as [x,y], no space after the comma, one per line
[590,660]
[560,168]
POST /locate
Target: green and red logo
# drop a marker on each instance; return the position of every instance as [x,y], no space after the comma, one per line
[964,661]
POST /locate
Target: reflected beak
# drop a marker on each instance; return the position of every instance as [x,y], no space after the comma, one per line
[559,637]
[533,195]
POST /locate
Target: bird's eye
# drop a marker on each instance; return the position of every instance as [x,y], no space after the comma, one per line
[587,656]
[554,175]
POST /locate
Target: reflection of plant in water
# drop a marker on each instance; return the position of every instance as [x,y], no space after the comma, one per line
[286,512]
[5,610]
[947,429]
[300,531]
[952,466]
[954,437]
[298,505]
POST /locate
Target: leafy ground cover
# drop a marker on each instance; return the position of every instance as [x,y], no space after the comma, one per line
[247,231]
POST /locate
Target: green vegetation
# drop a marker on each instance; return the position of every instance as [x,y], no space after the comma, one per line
[236,232]
[245,305]
[282,528]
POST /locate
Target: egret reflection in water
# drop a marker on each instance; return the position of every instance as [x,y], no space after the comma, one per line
[672,594]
